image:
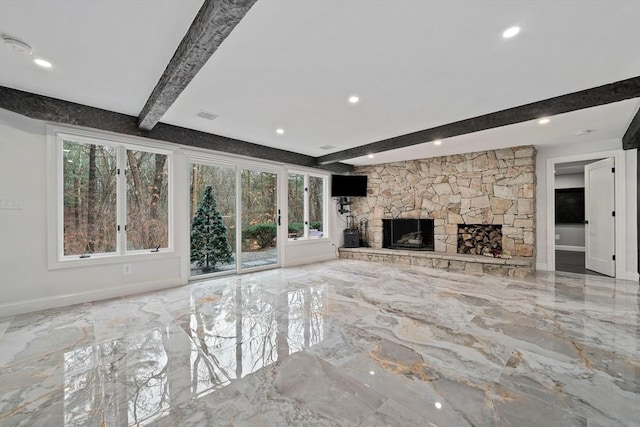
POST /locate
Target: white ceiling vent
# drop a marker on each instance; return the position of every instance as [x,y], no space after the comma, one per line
[207,115]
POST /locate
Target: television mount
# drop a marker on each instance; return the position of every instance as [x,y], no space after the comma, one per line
[344,202]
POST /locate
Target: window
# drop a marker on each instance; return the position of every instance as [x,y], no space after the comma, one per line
[306,206]
[114,198]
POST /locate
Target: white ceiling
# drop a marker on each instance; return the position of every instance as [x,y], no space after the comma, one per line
[292,64]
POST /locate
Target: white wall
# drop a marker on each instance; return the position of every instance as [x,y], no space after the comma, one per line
[570,236]
[629,184]
[570,180]
[26,282]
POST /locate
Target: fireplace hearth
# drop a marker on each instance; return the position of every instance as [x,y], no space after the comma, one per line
[408,234]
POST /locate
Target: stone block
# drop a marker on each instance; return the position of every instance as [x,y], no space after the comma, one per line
[473,268]
[522,152]
[452,248]
[504,153]
[505,192]
[523,223]
[441,263]
[499,205]
[480,163]
[457,265]
[442,188]
[525,206]
[440,245]
[480,202]
[454,218]
[513,232]
[451,229]
[527,161]
[529,237]
[522,249]
[508,244]
[526,191]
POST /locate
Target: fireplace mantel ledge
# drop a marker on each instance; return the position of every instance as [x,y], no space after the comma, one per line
[480,259]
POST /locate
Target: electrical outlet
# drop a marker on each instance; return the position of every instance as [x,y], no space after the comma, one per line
[127,269]
[557,237]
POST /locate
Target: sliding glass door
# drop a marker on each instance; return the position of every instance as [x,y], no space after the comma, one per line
[259,218]
[234,219]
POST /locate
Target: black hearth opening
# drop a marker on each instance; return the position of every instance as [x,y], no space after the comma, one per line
[411,234]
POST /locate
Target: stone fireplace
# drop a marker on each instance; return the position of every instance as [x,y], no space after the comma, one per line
[408,234]
[493,188]
[474,238]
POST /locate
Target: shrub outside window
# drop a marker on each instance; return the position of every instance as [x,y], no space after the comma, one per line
[306,206]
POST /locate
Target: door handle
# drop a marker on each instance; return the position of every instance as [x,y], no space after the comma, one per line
[586,221]
[278,217]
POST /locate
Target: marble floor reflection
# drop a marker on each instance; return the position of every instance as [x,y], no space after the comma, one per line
[340,343]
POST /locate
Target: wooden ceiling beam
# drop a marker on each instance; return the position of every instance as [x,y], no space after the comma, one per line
[212,25]
[601,95]
[54,110]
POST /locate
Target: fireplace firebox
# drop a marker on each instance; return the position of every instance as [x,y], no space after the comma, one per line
[410,234]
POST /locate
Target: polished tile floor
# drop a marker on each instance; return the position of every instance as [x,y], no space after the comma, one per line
[340,343]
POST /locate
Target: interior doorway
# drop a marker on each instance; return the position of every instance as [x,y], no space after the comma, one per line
[582,223]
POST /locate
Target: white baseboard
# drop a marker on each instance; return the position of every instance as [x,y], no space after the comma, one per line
[310,260]
[542,266]
[632,276]
[38,304]
[570,248]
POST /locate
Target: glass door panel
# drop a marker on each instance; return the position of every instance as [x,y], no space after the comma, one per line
[259,218]
[213,219]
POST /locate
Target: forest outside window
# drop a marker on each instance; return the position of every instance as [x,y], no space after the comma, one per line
[306,206]
[115,199]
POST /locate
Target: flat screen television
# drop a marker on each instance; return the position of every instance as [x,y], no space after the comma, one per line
[348,185]
[570,206]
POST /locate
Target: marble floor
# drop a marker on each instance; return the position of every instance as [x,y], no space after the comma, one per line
[340,343]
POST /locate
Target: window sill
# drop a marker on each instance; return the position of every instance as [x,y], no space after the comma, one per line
[97,260]
[308,241]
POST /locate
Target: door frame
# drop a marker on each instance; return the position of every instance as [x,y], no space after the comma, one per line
[238,164]
[620,207]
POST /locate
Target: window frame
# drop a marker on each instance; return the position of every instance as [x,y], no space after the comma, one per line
[306,200]
[55,198]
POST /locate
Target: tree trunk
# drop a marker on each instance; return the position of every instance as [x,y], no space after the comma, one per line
[157,185]
[91,201]
[195,184]
[135,215]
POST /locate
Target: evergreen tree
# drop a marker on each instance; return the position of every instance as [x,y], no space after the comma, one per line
[209,243]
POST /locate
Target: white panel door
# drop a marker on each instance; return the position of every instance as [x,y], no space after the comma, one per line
[599,208]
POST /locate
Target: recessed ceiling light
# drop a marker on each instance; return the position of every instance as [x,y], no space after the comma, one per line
[584,132]
[543,121]
[510,32]
[437,142]
[354,99]
[370,156]
[328,147]
[279,131]
[438,405]
[42,62]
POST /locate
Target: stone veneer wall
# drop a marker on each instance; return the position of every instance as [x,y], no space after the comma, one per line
[487,187]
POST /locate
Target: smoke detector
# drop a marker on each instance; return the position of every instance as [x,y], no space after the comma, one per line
[16,44]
